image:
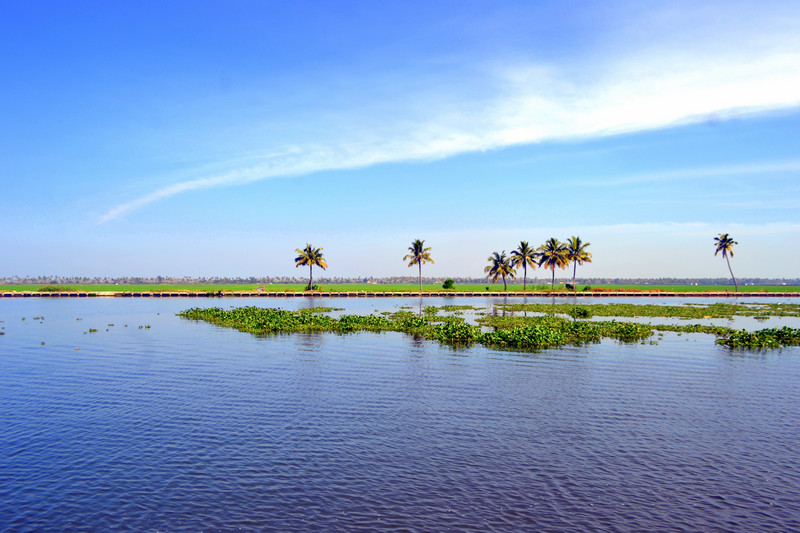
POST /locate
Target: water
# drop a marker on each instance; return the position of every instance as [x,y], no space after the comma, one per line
[185,426]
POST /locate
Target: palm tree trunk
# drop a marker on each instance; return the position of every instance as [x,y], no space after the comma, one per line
[505,287]
[574,270]
[310,277]
[420,278]
[553,284]
[735,285]
[524,277]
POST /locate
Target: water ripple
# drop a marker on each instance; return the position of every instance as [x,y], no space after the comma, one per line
[190,427]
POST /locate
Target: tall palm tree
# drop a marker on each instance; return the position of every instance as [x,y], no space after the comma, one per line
[500,265]
[552,254]
[577,254]
[725,245]
[310,256]
[526,256]
[419,255]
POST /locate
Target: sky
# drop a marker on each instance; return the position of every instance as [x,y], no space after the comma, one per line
[213,138]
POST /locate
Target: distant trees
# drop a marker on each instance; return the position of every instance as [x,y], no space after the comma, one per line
[418,255]
[310,256]
[724,244]
[499,265]
[525,256]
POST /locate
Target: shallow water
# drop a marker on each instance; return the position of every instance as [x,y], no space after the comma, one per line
[188,426]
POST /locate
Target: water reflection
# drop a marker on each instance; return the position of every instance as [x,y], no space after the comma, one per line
[223,430]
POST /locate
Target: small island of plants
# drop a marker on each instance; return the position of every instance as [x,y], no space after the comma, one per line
[507,332]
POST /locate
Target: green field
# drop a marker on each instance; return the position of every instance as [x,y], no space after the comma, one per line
[380,287]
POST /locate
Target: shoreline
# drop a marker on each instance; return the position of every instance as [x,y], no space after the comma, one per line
[397,294]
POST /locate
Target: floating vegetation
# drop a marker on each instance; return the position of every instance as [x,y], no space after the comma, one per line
[764,338]
[695,328]
[92,330]
[320,309]
[538,332]
[457,308]
[511,332]
[715,310]
[580,311]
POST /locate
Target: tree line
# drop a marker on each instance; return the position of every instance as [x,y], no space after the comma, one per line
[550,255]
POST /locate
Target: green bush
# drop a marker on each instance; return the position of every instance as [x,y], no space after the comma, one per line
[448,284]
[580,311]
[55,288]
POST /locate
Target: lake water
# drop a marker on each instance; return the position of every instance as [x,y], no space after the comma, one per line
[185,426]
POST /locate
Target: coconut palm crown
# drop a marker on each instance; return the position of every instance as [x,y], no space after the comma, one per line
[524,256]
[552,254]
[499,266]
[725,245]
[418,255]
[577,254]
[310,256]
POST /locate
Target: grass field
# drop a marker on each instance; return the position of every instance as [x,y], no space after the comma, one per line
[395,287]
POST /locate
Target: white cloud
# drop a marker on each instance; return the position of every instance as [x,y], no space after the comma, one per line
[529,101]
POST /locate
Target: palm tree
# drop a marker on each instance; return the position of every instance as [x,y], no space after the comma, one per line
[577,254]
[500,266]
[310,256]
[552,254]
[524,255]
[418,256]
[725,245]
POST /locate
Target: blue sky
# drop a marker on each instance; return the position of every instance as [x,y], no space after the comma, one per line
[214,138]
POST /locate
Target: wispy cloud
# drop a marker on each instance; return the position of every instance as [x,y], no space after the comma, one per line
[532,101]
[774,167]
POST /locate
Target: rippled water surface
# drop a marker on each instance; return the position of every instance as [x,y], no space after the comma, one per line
[185,426]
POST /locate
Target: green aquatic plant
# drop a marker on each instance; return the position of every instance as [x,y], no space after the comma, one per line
[319,309]
[764,338]
[513,332]
[580,311]
[456,307]
[715,310]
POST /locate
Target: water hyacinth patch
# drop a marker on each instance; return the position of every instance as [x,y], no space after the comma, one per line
[511,332]
[715,310]
[764,338]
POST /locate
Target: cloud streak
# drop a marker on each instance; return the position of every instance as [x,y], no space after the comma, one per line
[534,101]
